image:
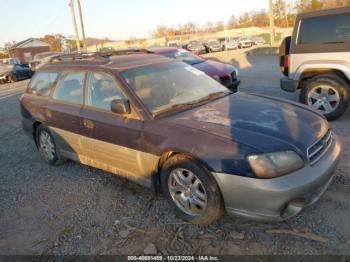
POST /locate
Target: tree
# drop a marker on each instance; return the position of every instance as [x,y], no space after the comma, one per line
[188,28]
[219,26]
[245,20]
[209,27]
[308,5]
[9,44]
[232,22]
[55,41]
[260,19]
[163,31]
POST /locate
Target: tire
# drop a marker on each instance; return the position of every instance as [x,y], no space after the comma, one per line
[43,133]
[207,187]
[329,94]
[11,79]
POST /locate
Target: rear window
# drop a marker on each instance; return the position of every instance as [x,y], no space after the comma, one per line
[43,83]
[326,29]
[70,87]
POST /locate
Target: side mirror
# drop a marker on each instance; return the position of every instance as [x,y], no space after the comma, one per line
[120,106]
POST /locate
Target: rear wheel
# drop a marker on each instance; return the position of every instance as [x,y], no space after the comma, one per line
[328,94]
[191,190]
[47,146]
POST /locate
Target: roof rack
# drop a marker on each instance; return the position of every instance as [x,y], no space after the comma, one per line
[128,51]
[75,56]
[99,54]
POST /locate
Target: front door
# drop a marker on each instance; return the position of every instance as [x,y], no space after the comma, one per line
[113,142]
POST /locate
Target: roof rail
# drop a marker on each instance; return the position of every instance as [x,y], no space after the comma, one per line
[99,54]
[128,51]
[75,56]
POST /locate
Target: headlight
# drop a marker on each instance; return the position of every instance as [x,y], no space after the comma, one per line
[275,164]
[236,70]
[217,78]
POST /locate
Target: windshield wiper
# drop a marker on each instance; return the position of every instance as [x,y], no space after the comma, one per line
[194,102]
[210,96]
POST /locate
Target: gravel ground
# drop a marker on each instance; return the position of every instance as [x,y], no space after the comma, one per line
[74,209]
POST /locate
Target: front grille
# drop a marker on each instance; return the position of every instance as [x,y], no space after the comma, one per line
[226,80]
[317,150]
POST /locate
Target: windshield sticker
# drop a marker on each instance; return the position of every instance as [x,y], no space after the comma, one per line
[194,70]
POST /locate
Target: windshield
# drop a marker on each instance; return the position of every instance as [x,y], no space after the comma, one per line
[184,56]
[165,86]
[214,42]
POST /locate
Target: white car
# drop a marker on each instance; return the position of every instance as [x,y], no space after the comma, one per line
[175,43]
[245,43]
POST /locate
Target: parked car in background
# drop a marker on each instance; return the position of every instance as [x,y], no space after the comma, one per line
[316,61]
[9,61]
[231,44]
[258,40]
[41,59]
[196,47]
[224,73]
[106,49]
[245,43]
[175,43]
[213,46]
[169,126]
[14,72]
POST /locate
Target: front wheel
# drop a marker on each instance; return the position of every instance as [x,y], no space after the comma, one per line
[328,94]
[191,190]
[11,79]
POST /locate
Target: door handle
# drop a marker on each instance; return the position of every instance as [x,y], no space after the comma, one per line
[88,123]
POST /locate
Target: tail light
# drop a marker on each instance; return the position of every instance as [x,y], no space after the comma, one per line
[286,61]
[286,65]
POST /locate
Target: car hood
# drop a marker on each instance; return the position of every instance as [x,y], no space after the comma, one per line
[266,124]
[213,68]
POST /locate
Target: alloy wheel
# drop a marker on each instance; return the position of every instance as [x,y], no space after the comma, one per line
[47,146]
[323,98]
[187,191]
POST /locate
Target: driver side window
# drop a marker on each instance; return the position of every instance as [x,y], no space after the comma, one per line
[101,90]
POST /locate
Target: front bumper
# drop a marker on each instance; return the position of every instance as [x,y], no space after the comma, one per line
[215,49]
[234,85]
[279,198]
[289,85]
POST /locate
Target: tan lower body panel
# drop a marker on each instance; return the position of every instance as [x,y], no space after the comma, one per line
[132,164]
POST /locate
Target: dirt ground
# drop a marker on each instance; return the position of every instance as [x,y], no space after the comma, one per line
[74,209]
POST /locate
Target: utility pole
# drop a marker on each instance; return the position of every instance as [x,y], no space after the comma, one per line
[82,25]
[71,5]
[272,23]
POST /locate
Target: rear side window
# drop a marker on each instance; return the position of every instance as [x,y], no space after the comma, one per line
[325,30]
[43,83]
[70,87]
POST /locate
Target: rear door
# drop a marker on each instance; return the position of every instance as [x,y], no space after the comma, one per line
[113,142]
[63,113]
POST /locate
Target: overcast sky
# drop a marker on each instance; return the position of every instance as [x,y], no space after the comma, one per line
[115,19]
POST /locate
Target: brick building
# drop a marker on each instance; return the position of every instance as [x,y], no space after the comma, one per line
[25,50]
